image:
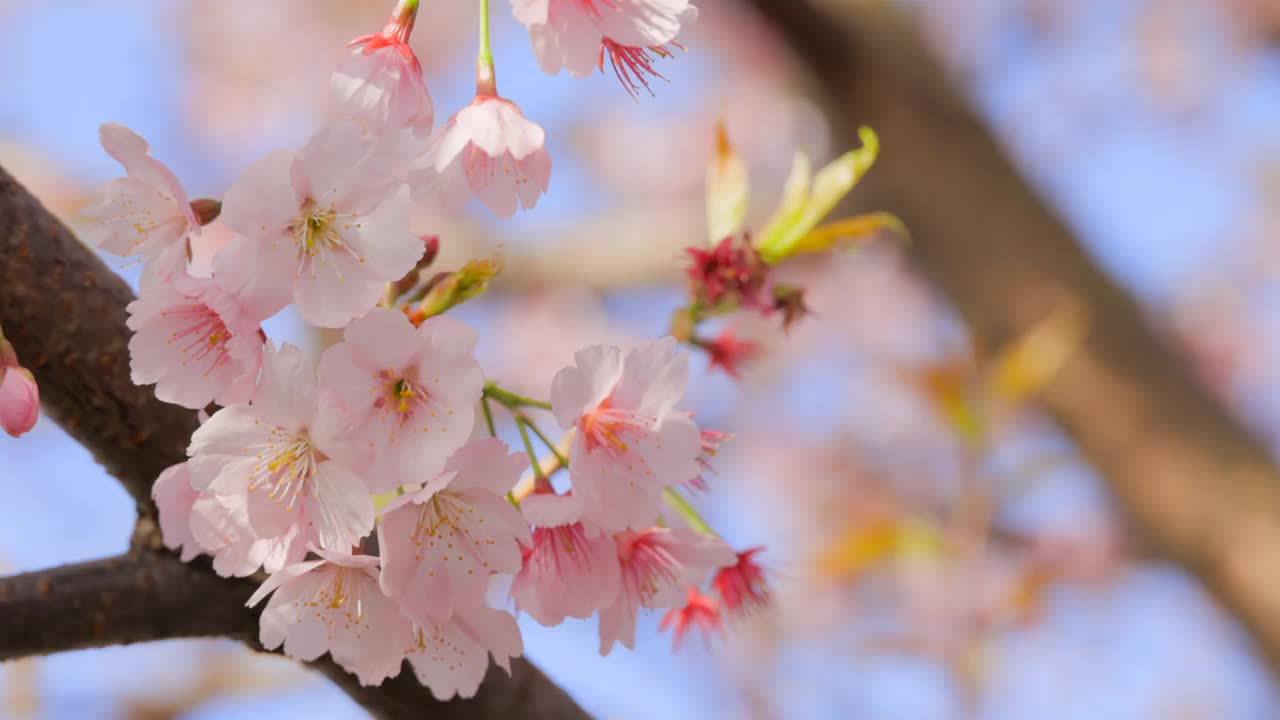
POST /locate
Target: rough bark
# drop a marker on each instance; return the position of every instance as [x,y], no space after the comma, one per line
[137,597]
[1201,490]
[64,312]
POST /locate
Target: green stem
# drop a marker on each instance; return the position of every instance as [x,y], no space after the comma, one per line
[564,461]
[488,416]
[486,83]
[511,400]
[522,425]
[677,502]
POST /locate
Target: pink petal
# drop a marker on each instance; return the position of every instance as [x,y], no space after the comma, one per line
[174,498]
[653,379]
[583,386]
[287,389]
[341,509]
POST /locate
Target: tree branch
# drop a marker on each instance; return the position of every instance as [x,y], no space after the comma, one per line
[1201,490]
[137,597]
[64,312]
[148,595]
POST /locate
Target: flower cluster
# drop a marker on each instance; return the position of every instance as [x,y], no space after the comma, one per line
[736,270]
[358,481]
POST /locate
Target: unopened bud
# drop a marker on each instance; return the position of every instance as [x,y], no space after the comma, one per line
[458,287]
[19,401]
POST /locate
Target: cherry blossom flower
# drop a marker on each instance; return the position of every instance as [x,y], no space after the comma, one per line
[327,228]
[380,84]
[280,458]
[146,213]
[742,586]
[411,392]
[334,605]
[174,496]
[577,35]
[196,342]
[568,571]
[452,657]
[440,544]
[489,150]
[631,441]
[729,353]
[656,564]
[699,612]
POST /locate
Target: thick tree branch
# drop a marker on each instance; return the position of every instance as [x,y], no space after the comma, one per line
[149,595]
[64,312]
[1203,492]
[138,597]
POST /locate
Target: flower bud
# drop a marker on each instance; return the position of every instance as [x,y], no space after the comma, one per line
[19,400]
[458,287]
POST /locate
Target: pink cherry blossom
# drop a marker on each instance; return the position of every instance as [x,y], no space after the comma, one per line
[147,212]
[452,657]
[334,605]
[411,392]
[281,458]
[379,84]
[656,564]
[326,228]
[196,342]
[568,571]
[440,544]
[489,150]
[631,441]
[576,34]
[19,401]
[174,496]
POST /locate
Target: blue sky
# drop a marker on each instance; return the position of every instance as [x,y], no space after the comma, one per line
[1154,195]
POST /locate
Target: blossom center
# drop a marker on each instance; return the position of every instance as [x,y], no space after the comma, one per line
[647,567]
[446,525]
[339,600]
[319,236]
[286,464]
[559,549]
[633,66]
[398,396]
[608,429]
[146,225]
[203,336]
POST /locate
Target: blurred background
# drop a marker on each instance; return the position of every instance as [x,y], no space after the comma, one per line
[1153,126]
